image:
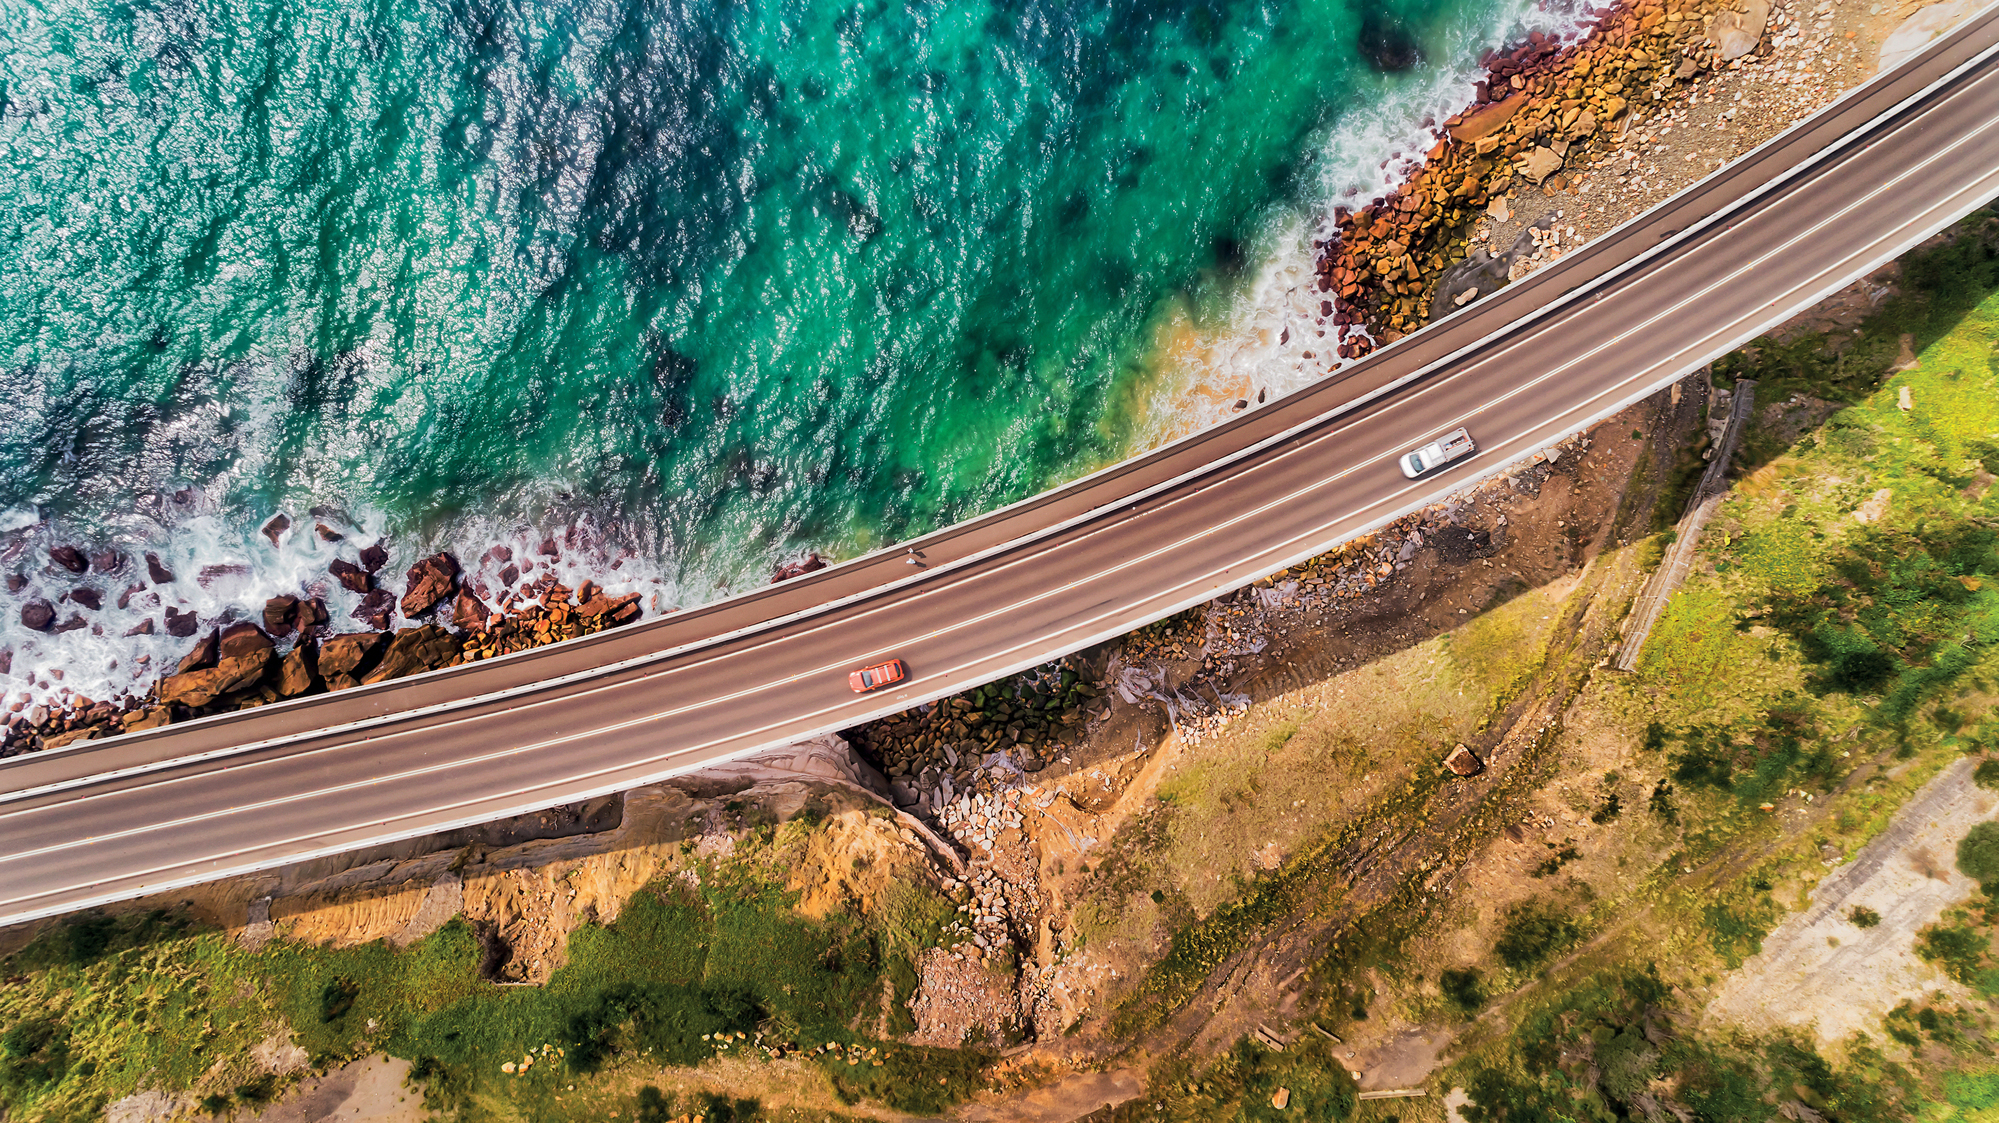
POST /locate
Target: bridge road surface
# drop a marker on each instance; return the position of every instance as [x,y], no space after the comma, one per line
[1741,251]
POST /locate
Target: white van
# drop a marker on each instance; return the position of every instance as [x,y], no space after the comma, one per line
[1451,446]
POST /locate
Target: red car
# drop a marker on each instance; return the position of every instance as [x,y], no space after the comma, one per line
[877,676]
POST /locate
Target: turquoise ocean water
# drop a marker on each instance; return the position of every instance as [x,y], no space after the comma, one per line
[716,281]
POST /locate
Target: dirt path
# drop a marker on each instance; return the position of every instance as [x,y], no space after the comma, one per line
[1838,978]
[1418,859]
[1060,1102]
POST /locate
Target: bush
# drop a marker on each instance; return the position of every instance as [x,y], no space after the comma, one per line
[33,1052]
[1535,932]
[1701,764]
[652,1106]
[1463,989]
[1986,775]
[666,1018]
[1859,672]
[1958,949]
[1661,802]
[1863,917]
[336,998]
[1626,1064]
[907,1078]
[88,939]
[1736,933]
[1978,855]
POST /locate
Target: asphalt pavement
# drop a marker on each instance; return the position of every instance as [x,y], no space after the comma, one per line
[1764,238]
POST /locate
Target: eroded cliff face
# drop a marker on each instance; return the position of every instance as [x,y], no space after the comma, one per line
[526,900]
[526,897]
[1008,857]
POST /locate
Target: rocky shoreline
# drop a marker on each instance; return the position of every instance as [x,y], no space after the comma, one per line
[1544,109]
[291,649]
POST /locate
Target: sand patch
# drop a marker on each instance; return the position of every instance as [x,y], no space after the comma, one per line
[370,1090]
[1837,978]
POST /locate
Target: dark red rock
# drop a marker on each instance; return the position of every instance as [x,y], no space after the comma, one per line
[601,605]
[88,598]
[374,557]
[181,624]
[376,608]
[276,528]
[69,557]
[413,651]
[16,582]
[6,660]
[246,655]
[198,688]
[280,615]
[789,570]
[125,598]
[470,613]
[349,654]
[159,573]
[107,561]
[142,628]
[203,655]
[150,718]
[501,554]
[327,533]
[351,576]
[311,614]
[509,575]
[38,615]
[72,624]
[429,582]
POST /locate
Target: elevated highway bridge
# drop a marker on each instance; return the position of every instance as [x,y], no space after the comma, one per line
[1765,237]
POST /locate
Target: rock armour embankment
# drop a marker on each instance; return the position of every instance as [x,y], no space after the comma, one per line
[1542,106]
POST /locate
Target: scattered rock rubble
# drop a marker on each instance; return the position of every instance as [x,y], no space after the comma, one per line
[936,752]
[1150,664]
[1543,105]
[1004,974]
[238,665]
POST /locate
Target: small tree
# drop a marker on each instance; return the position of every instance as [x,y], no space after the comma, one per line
[1986,775]
[1978,856]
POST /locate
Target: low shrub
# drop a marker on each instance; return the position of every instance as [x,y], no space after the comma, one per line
[1535,932]
[1978,856]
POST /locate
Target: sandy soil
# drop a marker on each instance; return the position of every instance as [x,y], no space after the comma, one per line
[1838,979]
[1402,1061]
[1066,1099]
[369,1090]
